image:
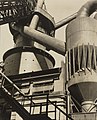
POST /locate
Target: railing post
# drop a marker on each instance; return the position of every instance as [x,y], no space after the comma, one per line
[40,108]
[55,109]
[2,81]
[47,105]
[12,92]
[31,105]
[61,111]
[67,104]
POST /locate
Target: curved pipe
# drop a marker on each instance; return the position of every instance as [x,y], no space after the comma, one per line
[65,21]
[87,9]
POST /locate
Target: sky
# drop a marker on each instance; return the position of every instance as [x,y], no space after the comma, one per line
[59,9]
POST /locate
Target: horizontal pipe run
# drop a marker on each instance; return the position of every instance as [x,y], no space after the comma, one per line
[65,21]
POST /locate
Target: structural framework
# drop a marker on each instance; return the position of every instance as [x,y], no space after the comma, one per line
[31,88]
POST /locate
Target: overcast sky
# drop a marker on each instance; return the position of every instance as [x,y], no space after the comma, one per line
[59,9]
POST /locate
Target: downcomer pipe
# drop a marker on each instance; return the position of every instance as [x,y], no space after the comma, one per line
[88,8]
[46,40]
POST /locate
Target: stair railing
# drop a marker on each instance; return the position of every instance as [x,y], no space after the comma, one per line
[56,108]
[14,87]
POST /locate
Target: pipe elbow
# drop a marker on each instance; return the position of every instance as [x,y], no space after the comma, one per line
[88,8]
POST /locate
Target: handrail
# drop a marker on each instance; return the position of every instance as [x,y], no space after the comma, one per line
[17,88]
[12,84]
[48,101]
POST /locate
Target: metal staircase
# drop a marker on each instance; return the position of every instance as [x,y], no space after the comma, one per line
[16,106]
[19,108]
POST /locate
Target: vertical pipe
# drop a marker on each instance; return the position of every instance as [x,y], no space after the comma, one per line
[66,61]
[84,58]
[73,62]
[35,18]
[78,60]
[94,56]
[89,57]
[69,52]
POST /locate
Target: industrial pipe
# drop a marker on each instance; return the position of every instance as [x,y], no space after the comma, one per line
[47,41]
[87,9]
[35,18]
[65,21]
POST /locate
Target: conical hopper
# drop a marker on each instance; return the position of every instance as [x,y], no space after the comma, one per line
[83,88]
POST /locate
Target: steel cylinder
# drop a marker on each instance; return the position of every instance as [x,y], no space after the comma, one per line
[81,31]
[26,59]
[81,44]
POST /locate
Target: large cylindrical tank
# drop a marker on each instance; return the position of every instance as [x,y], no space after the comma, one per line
[81,42]
[82,30]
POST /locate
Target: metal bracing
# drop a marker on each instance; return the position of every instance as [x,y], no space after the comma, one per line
[37,76]
[16,106]
[56,108]
[14,10]
[19,108]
